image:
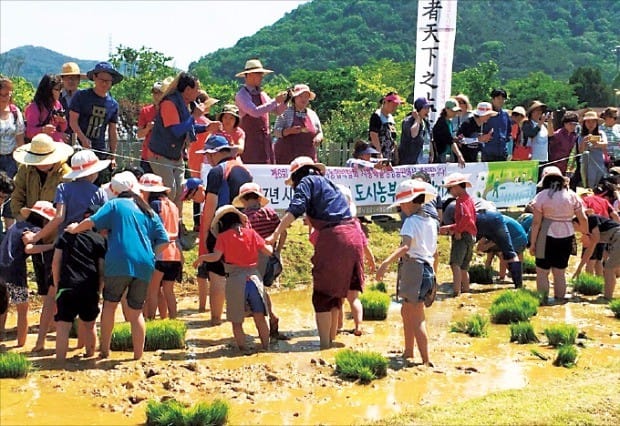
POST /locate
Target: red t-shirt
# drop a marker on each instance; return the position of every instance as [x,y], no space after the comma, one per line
[240,249]
[465,215]
[147,114]
[599,205]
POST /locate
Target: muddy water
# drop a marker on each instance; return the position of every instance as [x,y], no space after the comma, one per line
[294,382]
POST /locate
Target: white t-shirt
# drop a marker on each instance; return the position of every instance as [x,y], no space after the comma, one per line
[422,229]
[540,144]
[10,128]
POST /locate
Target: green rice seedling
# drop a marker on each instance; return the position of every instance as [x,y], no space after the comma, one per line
[172,412]
[215,413]
[522,332]
[475,326]
[380,286]
[375,304]
[513,306]
[539,355]
[566,357]
[588,284]
[561,334]
[529,264]
[14,365]
[614,305]
[121,337]
[481,274]
[160,334]
[363,365]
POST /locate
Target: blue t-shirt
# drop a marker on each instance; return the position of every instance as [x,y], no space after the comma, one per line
[226,189]
[96,113]
[319,199]
[131,238]
[517,233]
[12,254]
[501,126]
[77,197]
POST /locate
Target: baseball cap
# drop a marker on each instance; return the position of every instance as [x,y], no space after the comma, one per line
[421,103]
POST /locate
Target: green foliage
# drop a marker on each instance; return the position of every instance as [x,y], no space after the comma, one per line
[614,305]
[588,284]
[23,92]
[529,264]
[481,274]
[477,81]
[375,304]
[474,326]
[561,334]
[380,286]
[522,332]
[590,87]
[513,306]
[172,412]
[538,85]
[160,334]
[363,365]
[566,357]
[14,365]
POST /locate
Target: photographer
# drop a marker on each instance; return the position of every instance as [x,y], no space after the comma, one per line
[536,130]
[45,113]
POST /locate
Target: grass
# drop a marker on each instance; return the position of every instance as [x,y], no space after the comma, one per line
[529,264]
[363,365]
[380,286]
[474,326]
[566,357]
[514,306]
[14,365]
[614,305]
[561,334]
[375,304]
[172,412]
[160,334]
[588,284]
[522,332]
[481,274]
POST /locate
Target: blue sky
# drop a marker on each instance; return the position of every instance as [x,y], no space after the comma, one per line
[185,30]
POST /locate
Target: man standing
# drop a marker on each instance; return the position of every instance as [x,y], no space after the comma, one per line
[254,108]
[415,140]
[93,111]
[71,76]
[496,148]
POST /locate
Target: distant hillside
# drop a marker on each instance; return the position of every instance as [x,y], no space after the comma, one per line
[31,62]
[554,36]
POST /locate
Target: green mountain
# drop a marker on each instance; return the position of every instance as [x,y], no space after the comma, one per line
[31,62]
[553,36]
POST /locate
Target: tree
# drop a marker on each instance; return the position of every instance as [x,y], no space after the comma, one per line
[540,86]
[23,92]
[476,82]
[590,87]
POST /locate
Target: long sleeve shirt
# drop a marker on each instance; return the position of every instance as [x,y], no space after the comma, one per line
[243,100]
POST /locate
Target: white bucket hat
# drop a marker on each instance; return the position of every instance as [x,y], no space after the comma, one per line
[85,163]
[150,182]
[411,189]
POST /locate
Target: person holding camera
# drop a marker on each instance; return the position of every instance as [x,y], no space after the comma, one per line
[536,130]
[45,113]
[298,128]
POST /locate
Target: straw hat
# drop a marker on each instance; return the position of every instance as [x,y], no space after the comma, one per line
[219,213]
[591,115]
[550,171]
[300,162]
[208,101]
[410,189]
[253,65]
[42,151]
[151,182]
[535,105]
[121,182]
[583,191]
[298,89]
[42,208]
[71,68]
[250,188]
[456,178]
[483,109]
[229,109]
[85,163]
[117,77]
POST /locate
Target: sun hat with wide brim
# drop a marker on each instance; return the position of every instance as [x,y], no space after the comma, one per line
[71,68]
[150,182]
[228,109]
[250,188]
[591,115]
[251,66]
[216,143]
[550,171]
[44,209]
[519,110]
[42,151]
[85,163]
[411,189]
[300,162]
[483,109]
[456,178]
[298,89]
[536,105]
[580,190]
[122,182]
[219,213]
[117,77]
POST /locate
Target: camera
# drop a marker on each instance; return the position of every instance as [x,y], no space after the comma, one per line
[58,112]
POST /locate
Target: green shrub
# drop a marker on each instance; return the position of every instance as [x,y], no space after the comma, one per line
[561,334]
[588,284]
[481,274]
[380,286]
[475,326]
[172,412]
[514,306]
[529,264]
[160,334]
[567,356]
[614,305]
[375,304]
[522,332]
[14,365]
[363,365]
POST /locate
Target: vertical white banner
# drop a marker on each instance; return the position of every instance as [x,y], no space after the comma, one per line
[434,51]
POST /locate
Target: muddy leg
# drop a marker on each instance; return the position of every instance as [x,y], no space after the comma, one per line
[90,337]
[22,323]
[138,331]
[610,282]
[357,310]
[324,324]
[263,329]
[203,291]
[542,281]
[47,317]
[217,297]
[170,299]
[464,281]
[559,283]
[107,324]
[419,330]
[239,334]
[407,312]
[456,280]
[62,339]
[152,295]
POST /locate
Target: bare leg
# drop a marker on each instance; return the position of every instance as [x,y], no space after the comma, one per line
[138,331]
[341,317]
[406,311]
[333,331]
[90,337]
[124,306]
[22,323]
[80,333]
[263,329]
[203,291]
[239,334]
[542,281]
[47,317]
[107,324]
[217,297]
[274,320]
[324,324]
[162,305]
[62,339]
[171,300]
[456,279]
[357,310]
[464,281]
[610,282]
[419,330]
[598,268]
[152,295]
[559,283]
[2,325]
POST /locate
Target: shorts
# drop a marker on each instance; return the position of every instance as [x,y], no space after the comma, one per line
[114,288]
[170,268]
[613,252]
[462,251]
[415,279]
[557,253]
[42,266]
[324,302]
[17,294]
[215,267]
[71,303]
[597,254]
[203,271]
[253,300]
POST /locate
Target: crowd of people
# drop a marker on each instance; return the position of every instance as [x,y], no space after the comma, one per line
[93,229]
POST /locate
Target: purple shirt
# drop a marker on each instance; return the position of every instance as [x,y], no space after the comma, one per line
[243,99]
[560,146]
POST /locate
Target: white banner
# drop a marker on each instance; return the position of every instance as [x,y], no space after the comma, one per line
[434,51]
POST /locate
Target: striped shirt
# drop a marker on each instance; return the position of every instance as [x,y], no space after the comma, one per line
[264,220]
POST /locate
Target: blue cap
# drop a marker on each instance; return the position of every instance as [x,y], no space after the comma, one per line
[105,67]
[191,185]
[421,103]
[215,144]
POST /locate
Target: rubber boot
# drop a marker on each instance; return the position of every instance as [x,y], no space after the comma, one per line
[517,273]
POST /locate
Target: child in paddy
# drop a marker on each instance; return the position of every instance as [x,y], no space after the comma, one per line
[77,270]
[240,247]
